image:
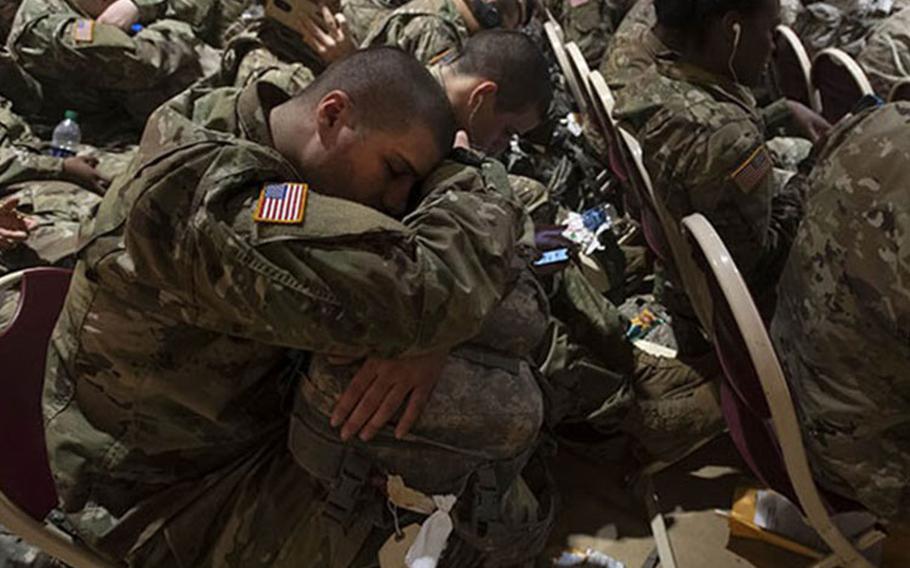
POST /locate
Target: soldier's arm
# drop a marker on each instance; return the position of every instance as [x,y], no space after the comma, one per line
[347,280]
[20,165]
[424,37]
[106,57]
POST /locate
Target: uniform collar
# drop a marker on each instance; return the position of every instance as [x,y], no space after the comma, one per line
[254,104]
[722,88]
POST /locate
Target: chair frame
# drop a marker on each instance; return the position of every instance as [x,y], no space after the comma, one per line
[554,35]
[860,80]
[38,533]
[581,73]
[805,63]
[774,385]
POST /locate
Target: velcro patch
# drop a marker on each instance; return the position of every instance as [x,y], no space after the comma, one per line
[281,203]
[754,170]
[84,30]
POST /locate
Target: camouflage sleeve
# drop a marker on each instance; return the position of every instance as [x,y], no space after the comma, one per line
[46,46]
[775,116]
[422,36]
[719,167]
[18,165]
[349,280]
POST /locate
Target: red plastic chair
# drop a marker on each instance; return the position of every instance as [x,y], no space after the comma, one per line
[840,81]
[27,491]
[793,69]
[755,397]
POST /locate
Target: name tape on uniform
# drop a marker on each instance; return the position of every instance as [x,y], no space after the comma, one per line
[753,170]
[281,203]
[84,30]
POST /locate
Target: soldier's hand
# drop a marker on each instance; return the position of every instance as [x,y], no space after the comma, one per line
[808,122]
[330,39]
[379,388]
[122,13]
[14,226]
[82,170]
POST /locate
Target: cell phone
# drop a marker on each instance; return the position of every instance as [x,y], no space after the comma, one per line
[289,13]
[553,257]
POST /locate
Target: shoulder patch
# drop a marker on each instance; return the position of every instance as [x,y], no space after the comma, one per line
[751,172]
[84,30]
[281,203]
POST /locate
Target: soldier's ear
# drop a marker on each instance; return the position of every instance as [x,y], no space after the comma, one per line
[334,110]
[485,91]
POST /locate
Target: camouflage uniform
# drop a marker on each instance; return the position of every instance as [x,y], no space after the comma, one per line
[266,44]
[423,28]
[843,24]
[703,144]
[842,318]
[588,24]
[634,47]
[886,56]
[168,437]
[362,14]
[110,76]
[38,181]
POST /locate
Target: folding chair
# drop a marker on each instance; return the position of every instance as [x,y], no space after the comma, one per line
[27,491]
[840,81]
[793,69]
[900,92]
[554,37]
[756,400]
[580,72]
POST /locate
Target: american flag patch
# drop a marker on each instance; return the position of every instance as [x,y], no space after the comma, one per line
[281,203]
[753,170]
[84,31]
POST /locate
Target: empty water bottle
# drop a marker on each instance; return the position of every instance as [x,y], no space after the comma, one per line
[67,136]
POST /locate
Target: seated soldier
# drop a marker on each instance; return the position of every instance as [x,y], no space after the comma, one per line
[429,28]
[87,56]
[703,143]
[886,55]
[588,23]
[251,224]
[57,194]
[844,24]
[841,324]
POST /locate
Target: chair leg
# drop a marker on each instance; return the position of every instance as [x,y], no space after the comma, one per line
[658,526]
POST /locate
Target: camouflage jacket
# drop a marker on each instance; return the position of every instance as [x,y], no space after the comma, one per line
[886,55]
[703,144]
[21,157]
[98,69]
[264,43]
[841,327]
[633,47]
[843,24]
[361,15]
[588,24]
[169,357]
[423,28]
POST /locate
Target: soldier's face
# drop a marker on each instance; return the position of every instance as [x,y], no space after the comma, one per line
[490,129]
[380,168]
[756,43]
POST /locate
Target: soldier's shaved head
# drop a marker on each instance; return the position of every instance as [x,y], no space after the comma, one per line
[390,90]
[512,61]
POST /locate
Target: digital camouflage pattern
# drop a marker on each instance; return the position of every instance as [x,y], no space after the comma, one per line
[423,28]
[114,77]
[886,56]
[843,24]
[697,131]
[361,15]
[841,325]
[38,181]
[634,47]
[264,43]
[588,24]
[152,427]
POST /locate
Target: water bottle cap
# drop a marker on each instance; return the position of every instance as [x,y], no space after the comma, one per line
[71,114]
[136,28]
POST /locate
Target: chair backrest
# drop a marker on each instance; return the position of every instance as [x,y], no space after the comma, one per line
[900,92]
[793,69]
[554,38]
[580,72]
[755,389]
[23,348]
[840,81]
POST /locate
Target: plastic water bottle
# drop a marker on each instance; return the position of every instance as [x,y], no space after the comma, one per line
[67,136]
